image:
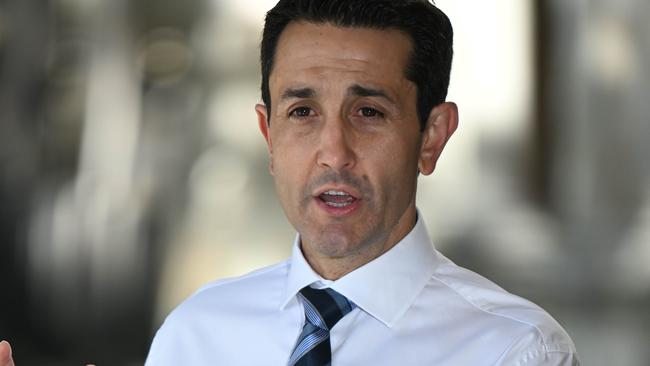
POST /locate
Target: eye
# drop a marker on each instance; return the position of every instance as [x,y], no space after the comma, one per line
[369,112]
[301,112]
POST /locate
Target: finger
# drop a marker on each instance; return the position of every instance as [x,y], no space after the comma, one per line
[5,354]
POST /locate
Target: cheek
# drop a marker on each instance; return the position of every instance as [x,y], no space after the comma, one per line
[395,155]
[287,157]
[396,168]
[290,166]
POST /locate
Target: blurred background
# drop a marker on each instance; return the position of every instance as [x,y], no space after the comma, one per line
[132,171]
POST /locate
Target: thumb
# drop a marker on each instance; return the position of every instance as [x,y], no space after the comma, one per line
[5,354]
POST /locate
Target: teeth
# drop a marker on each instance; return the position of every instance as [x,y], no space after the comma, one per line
[338,205]
[336,193]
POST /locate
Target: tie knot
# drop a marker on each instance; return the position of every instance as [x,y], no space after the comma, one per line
[324,308]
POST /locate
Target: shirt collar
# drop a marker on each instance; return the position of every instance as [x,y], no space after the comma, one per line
[385,287]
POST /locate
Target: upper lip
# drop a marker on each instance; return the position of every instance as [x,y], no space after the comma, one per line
[347,190]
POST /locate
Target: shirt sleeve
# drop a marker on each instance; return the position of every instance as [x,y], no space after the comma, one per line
[166,349]
[154,356]
[534,350]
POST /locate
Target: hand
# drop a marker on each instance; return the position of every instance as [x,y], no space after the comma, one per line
[5,354]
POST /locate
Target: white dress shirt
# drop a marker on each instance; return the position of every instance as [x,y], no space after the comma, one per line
[414,307]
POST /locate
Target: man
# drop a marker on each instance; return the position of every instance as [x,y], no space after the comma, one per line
[354,111]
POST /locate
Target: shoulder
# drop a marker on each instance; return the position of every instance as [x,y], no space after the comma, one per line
[532,334]
[206,320]
[258,279]
[223,296]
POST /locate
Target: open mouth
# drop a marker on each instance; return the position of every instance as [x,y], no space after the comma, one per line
[337,199]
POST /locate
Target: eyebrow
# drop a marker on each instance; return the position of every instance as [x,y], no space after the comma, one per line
[355,90]
[299,93]
[362,91]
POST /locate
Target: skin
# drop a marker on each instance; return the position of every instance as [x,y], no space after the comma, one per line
[344,117]
[338,136]
[5,354]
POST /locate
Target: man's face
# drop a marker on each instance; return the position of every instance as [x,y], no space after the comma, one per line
[344,138]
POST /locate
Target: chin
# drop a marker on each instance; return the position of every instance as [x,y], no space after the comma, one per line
[336,244]
[333,244]
[339,239]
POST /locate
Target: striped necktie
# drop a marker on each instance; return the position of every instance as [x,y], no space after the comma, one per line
[323,309]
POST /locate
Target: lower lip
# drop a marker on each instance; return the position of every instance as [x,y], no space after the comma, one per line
[338,211]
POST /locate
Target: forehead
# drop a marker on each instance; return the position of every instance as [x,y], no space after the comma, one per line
[309,53]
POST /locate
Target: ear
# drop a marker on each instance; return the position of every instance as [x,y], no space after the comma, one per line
[265,129]
[441,124]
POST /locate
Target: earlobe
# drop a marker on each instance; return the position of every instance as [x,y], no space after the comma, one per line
[265,129]
[441,124]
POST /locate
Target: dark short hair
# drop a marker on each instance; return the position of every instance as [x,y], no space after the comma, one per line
[429,28]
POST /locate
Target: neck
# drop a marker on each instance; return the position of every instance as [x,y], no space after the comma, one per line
[333,268]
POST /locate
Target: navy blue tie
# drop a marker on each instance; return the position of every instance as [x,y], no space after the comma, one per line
[323,309]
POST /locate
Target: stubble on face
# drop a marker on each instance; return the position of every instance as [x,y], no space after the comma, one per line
[331,239]
[331,61]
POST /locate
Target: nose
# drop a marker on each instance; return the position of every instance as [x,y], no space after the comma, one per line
[335,150]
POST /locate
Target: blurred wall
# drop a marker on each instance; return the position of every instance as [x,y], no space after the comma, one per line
[132,171]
